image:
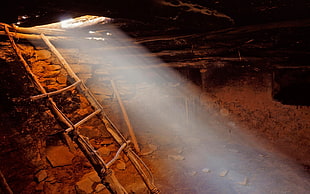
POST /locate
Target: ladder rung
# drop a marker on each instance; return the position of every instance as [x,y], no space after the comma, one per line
[55,92]
[84,120]
[116,155]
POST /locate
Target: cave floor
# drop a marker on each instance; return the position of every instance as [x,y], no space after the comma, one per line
[221,134]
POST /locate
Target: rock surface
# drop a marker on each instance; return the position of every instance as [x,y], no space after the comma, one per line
[120,165]
[87,182]
[104,151]
[176,157]
[148,149]
[41,175]
[59,156]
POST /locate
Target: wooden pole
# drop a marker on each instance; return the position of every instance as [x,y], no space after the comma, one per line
[4,185]
[125,115]
[186,111]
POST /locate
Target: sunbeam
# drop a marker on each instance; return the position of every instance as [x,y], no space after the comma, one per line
[193,140]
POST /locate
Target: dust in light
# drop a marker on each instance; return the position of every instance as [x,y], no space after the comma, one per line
[161,104]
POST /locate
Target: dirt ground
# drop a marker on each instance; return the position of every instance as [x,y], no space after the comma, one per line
[239,142]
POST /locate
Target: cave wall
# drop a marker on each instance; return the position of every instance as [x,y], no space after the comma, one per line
[192,14]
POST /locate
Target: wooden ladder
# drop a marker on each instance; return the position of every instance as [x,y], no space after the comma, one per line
[70,131]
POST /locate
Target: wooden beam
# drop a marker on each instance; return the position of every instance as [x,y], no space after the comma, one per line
[4,185]
[18,35]
[126,118]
